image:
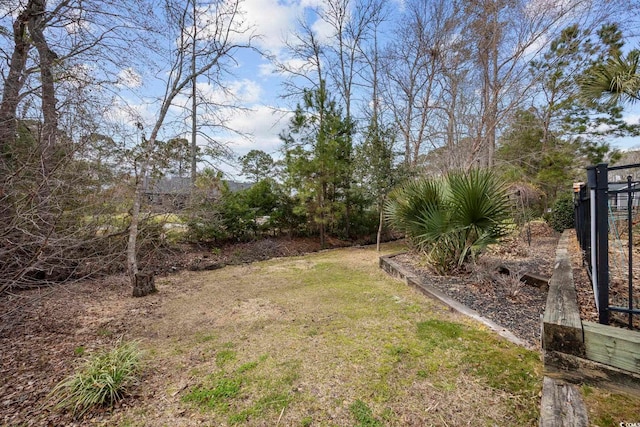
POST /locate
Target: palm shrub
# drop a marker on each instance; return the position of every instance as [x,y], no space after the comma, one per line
[103,380]
[451,219]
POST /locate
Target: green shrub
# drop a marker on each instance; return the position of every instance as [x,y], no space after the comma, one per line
[450,219]
[103,380]
[205,229]
[562,213]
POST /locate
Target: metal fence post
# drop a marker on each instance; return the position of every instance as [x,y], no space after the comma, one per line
[593,261]
[602,241]
[630,246]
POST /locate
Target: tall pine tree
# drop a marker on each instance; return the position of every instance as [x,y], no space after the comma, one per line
[318,159]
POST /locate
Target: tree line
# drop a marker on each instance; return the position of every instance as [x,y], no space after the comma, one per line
[377,96]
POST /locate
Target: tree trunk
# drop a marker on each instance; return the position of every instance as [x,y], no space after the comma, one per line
[321,223]
[11,93]
[380,226]
[144,284]
[49,110]
[194,104]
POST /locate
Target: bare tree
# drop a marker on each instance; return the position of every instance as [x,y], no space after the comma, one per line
[13,83]
[42,236]
[506,35]
[458,69]
[414,65]
[224,34]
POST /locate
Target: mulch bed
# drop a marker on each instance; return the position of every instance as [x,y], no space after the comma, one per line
[501,298]
[618,283]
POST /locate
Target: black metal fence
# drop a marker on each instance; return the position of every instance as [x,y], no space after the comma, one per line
[605,213]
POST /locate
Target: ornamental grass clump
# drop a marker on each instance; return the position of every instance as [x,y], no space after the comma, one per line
[103,380]
[451,219]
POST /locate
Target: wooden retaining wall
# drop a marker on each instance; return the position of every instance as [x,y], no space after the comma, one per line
[578,351]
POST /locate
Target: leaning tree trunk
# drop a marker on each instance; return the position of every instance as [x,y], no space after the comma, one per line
[148,146]
[10,99]
[48,138]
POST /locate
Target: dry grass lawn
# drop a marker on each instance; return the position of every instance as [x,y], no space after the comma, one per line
[327,339]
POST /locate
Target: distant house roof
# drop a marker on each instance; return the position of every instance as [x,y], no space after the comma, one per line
[619,186]
[238,186]
[171,185]
[176,185]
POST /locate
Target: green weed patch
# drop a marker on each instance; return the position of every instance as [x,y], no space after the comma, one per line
[363,415]
[246,392]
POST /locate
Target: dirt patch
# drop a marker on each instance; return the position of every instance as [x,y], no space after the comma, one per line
[196,257]
[618,283]
[45,333]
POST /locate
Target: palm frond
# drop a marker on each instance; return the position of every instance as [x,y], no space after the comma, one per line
[613,82]
[450,219]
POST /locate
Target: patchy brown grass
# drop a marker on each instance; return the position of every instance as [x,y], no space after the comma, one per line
[305,338]
[610,409]
[324,339]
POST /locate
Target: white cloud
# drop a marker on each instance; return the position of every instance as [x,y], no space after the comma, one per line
[632,119]
[76,22]
[266,69]
[10,8]
[272,20]
[297,65]
[246,91]
[82,71]
[129,78]
[236,92]
[255,129]
[264,124]
[555,7]
[535,47]
[130,113]
[324,32]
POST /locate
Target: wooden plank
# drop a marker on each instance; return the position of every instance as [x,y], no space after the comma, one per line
[531,279]
[562,405]
[393,268]
[612,346]
[578,370]
[535,280]
[562,327]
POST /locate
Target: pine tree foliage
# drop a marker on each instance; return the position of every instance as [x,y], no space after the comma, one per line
[318,159]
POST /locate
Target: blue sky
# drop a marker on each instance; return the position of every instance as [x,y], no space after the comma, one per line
[258,88]
[252,81]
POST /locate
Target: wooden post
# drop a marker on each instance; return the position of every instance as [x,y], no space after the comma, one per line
[144,284]
[561,405]
[562,327]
